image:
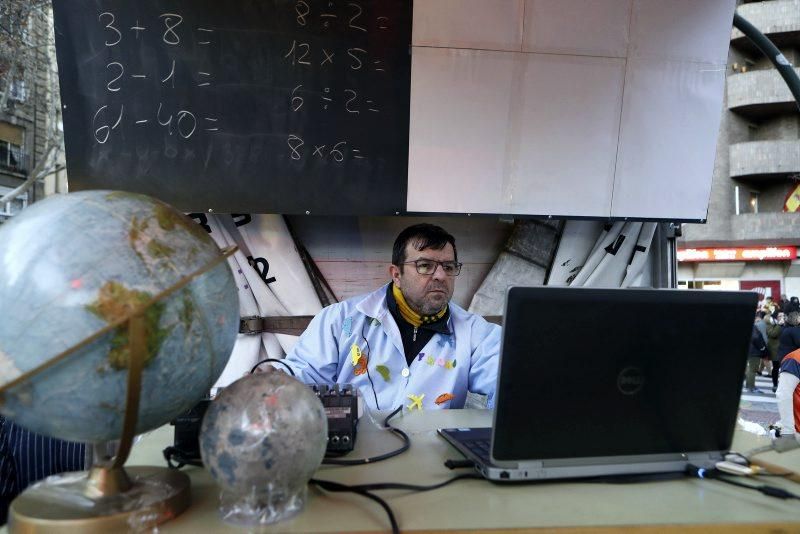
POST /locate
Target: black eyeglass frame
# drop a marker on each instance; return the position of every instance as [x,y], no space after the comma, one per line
[416,263]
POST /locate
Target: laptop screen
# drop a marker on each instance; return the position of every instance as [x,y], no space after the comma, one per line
[587,372]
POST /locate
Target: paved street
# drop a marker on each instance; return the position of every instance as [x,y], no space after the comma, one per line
[759,408]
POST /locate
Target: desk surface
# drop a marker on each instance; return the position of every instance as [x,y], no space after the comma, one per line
[477,504]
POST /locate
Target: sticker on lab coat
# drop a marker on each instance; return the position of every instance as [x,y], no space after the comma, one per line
[416,402]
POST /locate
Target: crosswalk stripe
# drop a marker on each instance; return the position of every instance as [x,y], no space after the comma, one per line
[760,398]
[767,396]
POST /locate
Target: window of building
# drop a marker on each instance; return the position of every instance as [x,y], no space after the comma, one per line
[11,157]
[17,91]
[753,202]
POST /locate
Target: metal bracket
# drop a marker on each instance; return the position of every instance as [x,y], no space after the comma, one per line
[674,230]
[251,325]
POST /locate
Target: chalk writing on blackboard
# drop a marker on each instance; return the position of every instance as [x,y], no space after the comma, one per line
[301,54]
[181,122]
[275,106]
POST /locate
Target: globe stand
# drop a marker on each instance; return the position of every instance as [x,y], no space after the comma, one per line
[108,497]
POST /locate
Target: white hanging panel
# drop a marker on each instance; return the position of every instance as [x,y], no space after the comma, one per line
[686,30]
[545,130]
[581,27]
[480,24]
[459,141]
[666,151]
[541,131]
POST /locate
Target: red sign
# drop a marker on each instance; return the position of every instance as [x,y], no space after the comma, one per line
[737,254]
[764,288]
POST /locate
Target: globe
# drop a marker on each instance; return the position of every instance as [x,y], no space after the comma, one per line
[261,439]
[73,264]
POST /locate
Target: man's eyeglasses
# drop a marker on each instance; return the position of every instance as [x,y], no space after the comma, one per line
[450,268]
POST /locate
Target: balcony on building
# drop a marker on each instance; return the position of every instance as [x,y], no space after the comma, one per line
[765,160]
[760,94]
[775,228]
[13,161]
[778,20]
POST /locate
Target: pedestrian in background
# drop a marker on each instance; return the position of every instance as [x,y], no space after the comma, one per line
[791,305]
[758,348]
[789,340]
[762,328]
[773,340]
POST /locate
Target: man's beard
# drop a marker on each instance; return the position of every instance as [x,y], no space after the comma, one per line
[428,306]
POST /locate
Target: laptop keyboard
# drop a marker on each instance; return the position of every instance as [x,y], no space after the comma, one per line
[480,448]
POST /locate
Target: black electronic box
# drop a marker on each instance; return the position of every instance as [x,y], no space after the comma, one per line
[341,408]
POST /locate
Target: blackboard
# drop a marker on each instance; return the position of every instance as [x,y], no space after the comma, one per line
[263,106]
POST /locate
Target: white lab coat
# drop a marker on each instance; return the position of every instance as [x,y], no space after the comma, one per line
[448,366]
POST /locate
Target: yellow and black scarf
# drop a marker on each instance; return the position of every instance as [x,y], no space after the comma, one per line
[410,315]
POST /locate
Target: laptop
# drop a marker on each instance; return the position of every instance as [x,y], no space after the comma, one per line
[595,382]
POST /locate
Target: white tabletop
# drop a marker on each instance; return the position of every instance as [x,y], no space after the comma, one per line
[478,504]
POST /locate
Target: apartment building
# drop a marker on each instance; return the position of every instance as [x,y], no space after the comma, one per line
[752,235]
[28,85]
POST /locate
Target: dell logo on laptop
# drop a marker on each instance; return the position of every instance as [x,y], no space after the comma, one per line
[630,381]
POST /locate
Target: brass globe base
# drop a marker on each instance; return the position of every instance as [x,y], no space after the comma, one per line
[75,502]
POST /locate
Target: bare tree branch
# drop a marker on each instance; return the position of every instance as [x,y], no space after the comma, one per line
[46,166]
[29,83]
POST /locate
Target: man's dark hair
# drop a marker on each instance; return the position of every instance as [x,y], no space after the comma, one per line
[421,236]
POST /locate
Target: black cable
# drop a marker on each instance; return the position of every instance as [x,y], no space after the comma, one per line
[283,363]
[339,488]
[458,464]
[771,491]
[767,48]
[173,453]
[369,351]
[267,360]
[414,487]
[713,474]
[365,489]
[360,461]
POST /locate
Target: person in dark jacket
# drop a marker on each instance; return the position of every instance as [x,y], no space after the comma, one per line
[762,328]
[791,305]
[773,336]
[758,348]
[789,339]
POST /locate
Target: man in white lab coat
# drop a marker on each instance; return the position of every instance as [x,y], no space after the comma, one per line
[405,343]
